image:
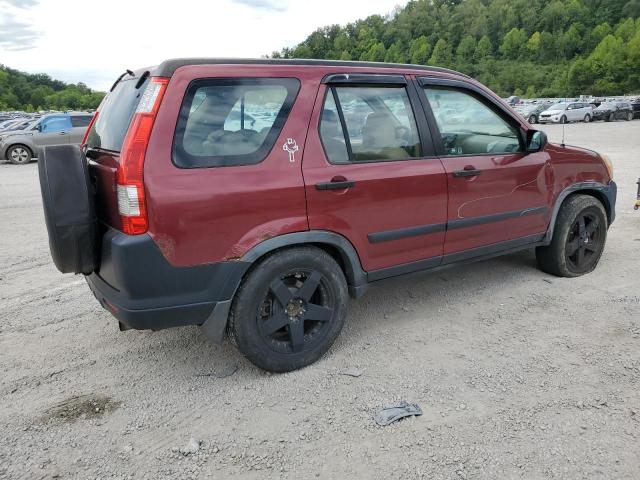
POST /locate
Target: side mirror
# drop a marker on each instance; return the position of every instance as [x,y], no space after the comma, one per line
[536,140]
[39,127]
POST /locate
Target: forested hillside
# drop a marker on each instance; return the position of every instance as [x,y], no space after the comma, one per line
[33,92]
[525,47]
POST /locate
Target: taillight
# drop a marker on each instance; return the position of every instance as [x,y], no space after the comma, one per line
[86,133]
[131,198]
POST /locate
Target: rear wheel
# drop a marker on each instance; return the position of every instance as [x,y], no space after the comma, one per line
[19,154]
[587,118]
[289,309]
[578,238]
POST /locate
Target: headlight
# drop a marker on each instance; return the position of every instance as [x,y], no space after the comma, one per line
[607,163]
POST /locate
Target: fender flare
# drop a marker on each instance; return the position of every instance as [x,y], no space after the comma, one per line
[356,277]
[605,193]
[215,325]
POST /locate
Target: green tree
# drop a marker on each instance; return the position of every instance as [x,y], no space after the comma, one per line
[441,55]
[513,43]
[466,48]
[484,49]
[420,51]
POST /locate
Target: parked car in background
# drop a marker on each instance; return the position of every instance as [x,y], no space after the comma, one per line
[20,146]
[635,106]
[531,111]
[179,214]
[565,112]
[610,111]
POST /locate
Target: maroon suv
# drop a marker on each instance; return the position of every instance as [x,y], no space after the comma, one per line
[253,197]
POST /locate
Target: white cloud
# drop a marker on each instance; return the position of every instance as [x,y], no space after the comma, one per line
[93,41]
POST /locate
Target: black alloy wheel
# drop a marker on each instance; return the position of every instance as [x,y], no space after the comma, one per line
[585,242]
[296,311]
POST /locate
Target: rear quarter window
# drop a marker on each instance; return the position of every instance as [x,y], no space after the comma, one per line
[228,122]
[81,120]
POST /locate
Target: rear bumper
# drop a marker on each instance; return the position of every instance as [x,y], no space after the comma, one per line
[137,285]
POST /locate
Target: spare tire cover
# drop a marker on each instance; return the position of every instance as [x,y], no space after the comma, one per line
[67,198]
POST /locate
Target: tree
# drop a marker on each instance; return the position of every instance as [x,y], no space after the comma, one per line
[484,49]
[420,51]
[441,55]
[513,43]
[532,48]
[466,48]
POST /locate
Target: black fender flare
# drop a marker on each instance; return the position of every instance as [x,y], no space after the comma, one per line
[216,323]
[356,277]
[605,193]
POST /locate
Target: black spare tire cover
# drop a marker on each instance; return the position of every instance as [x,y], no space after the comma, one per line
[67,198]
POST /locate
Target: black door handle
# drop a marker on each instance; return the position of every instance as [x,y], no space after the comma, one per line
[471,172]
[339,185]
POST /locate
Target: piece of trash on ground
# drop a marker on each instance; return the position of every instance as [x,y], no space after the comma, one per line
[351,372]
[388,415]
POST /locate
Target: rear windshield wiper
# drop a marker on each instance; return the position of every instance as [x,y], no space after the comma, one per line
[127,72]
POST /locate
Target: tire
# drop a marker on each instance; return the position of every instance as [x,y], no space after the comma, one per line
[587,118]
[271,320]
[69,211]
[578,239]
[563,119]
[19,154]
[533,119]
[629,116]
[611,118]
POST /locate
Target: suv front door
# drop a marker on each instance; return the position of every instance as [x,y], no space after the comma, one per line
[497,191]
[371,174]
[53,131]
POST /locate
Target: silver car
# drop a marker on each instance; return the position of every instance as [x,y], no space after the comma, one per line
[20,146]
[565,112]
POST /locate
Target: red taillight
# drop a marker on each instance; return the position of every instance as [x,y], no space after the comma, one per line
[131,197]
[86,133]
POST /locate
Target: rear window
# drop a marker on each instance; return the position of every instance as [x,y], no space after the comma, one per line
[226,122]
[115,115]
[81,120]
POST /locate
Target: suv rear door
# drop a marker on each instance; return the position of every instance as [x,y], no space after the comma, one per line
[497,191]
[54,130]
[371,174]
[79,124]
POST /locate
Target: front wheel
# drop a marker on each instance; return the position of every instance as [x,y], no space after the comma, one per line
[578,238]
[629,116]
[587,118]
[289,309]
[533,119]
[19,154]
[563,119]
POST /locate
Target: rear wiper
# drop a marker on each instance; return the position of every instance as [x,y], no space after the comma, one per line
[127,72]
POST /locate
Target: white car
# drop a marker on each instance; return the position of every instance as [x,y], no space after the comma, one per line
[567,112]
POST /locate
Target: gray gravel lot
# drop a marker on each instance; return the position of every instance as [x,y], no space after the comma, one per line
[519,374]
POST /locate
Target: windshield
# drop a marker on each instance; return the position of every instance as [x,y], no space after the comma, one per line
[558,106]
[606,106]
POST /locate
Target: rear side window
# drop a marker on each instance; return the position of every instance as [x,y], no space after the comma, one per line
[378,121]
[55,124]
[81,120]
[115,114]
[227,122]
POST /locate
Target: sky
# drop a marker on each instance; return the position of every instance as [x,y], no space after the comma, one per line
[93,41]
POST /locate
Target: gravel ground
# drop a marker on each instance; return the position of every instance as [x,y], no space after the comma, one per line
[519,374]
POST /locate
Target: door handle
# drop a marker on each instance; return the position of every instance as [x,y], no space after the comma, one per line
[468,171]
[62,133]
[335,185]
